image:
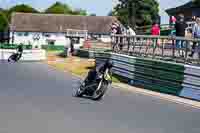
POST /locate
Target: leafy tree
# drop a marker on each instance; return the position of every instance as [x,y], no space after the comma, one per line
[196,2]
[23,8]
[79,12]
[110,13]
[137,12]
[93,14]
[3,22]
[59,8]
[20,8]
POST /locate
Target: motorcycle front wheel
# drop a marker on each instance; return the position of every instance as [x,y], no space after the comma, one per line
[79,92]
[12,58]
[99,93]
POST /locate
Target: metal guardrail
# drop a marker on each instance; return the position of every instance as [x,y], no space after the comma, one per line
[162,76]
[146,29]
[169,48]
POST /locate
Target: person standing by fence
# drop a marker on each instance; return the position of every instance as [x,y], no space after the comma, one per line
[119,40]
[196,34]
[172,21]
[155,31]
[180,27]
[129,32]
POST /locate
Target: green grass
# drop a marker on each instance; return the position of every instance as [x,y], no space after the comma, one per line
[54,51]
[115,79]
[118,79]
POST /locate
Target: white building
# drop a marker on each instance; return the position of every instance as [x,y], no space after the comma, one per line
[54,29]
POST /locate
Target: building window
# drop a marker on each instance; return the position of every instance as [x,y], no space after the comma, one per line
[51,42]
[46,34]
[19,34]
[26,34]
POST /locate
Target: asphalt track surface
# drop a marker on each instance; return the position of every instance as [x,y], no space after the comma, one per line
[35,98]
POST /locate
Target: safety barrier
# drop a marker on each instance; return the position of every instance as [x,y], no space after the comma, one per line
[162,76]
[28,55]
[177,49]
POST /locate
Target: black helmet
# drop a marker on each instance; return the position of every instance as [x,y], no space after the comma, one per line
[109,63]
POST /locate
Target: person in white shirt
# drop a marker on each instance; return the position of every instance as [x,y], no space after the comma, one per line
[130,31]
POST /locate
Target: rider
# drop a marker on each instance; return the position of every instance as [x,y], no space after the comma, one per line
[94,73]
[20,50]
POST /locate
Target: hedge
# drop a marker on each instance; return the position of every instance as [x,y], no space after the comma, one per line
[52,47]
[14,46]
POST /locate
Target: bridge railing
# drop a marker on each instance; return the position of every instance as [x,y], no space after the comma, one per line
[171,48]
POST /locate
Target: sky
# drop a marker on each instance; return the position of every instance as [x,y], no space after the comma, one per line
[99,7]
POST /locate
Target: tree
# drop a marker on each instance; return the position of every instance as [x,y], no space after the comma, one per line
[110,13]
[3,22]
[20,8]
[93,14]
[137,12]
[79,12]
[196,2]
[23,8]
[59,8]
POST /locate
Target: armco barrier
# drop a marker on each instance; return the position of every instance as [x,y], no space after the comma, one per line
[28,55]
[89,53]
[85,53]
[191,83]
[166,77]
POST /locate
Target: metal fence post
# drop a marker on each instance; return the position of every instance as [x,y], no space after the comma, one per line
[186,50]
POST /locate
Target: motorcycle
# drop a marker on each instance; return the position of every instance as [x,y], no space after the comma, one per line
[97,88]
[14,57]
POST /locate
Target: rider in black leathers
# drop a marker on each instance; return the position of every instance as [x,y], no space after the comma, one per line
[93,74]
[20,51]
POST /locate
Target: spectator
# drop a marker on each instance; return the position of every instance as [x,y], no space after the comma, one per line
[194,18]
[113,28]
[20,50]
[180,27]
[196,34]
[72,46]
[172,21]
[119,32]
[155,31]
[130,32]
[172,24]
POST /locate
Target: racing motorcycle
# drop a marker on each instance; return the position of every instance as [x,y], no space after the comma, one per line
[15,57]
[97,88]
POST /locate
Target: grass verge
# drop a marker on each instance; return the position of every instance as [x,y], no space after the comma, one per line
[74,65]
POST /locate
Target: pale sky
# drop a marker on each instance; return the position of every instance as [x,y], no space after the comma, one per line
[99,7]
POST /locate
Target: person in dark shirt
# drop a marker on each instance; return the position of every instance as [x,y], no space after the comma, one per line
[120,41]
[180,27]
[20,50]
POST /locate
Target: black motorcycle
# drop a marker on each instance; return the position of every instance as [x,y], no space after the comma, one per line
[14,57]
[97,88]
